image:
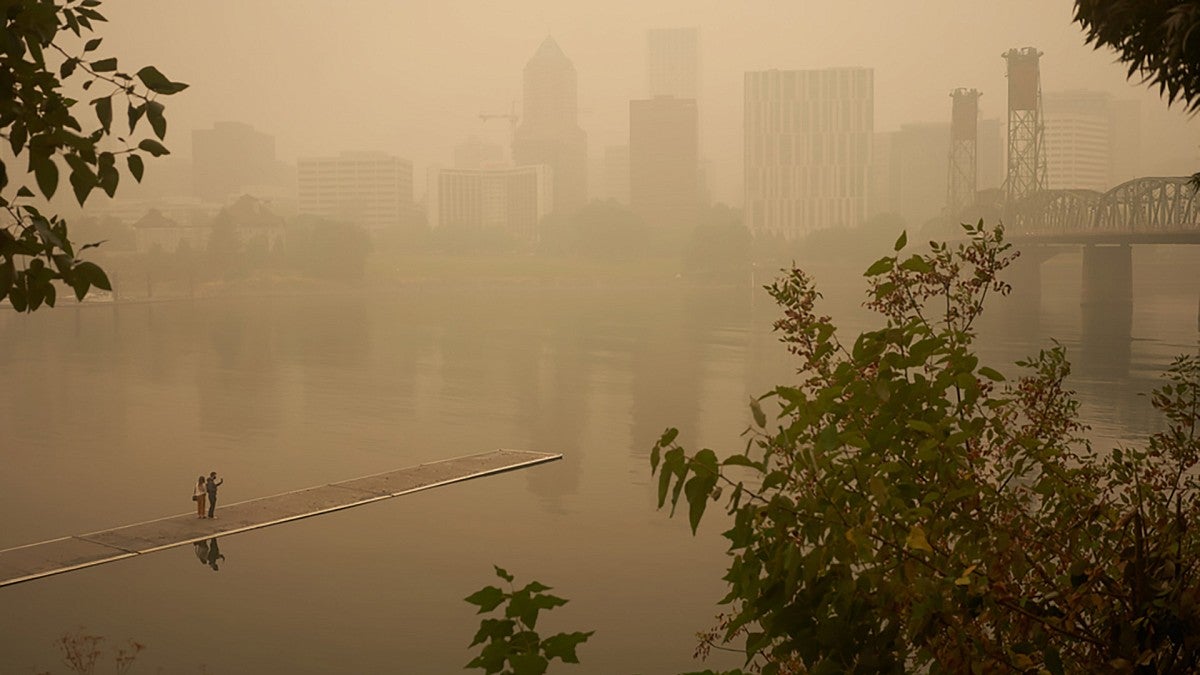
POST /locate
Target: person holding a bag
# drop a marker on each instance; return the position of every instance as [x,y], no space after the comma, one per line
[198,496]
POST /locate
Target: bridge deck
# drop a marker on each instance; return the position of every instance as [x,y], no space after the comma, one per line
[33,561]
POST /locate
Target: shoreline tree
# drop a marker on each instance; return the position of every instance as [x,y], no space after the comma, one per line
[904,507]
[46,58]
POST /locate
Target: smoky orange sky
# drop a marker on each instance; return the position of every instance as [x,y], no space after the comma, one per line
[411,77]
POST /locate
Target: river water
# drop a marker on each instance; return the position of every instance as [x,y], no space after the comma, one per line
[108,414]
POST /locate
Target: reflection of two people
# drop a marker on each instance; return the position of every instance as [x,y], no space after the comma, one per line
[209,553]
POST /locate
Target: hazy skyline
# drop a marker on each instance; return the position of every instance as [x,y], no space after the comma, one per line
[411,78]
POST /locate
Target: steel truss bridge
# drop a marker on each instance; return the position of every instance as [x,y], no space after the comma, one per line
[1140,211]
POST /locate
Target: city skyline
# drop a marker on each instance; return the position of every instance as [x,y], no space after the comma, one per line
[375,93]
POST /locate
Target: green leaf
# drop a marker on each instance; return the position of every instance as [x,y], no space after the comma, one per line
[92,44]
[17,295]
[47,235]
[760,419]
[921,426]
[528,664]
[135,113]
[491,658]
[668,437]
[965,578]
[153,147]
[917,264]
[107,175]
[493,629]
[486,598]
[94,275]
[158,83]
[90,13]
[742,460]
[563,645]
[46,172]
[136,166]
[503,573]
[154,113]
[901,242]
[50,294]
[72,22]
[540,602]
[83,181]
[699,487]
[17,137]
[916,540]
[6,277]
[80,285]
[1053,661]
[35,50]
[104,112]
[104,65]
[881,266]
[991,374]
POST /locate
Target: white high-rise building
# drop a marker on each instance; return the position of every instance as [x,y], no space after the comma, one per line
[511,200]
[1092,141]
[371,189]
[808,140]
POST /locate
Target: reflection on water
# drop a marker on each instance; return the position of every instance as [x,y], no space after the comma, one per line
[209,553]
[286,393]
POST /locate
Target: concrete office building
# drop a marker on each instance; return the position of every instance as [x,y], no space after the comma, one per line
[664,182]
[1092,141]
[510,200]
[910,168]
[370,189]
[915,168]
[549,131]
[808,137]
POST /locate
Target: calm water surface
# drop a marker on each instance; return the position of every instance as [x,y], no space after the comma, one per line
[108,417]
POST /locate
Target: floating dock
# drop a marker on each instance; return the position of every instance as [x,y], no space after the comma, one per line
[33,561]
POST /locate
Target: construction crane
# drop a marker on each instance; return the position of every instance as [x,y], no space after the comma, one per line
[512,118]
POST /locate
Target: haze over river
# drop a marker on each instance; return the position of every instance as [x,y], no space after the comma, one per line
[108,415]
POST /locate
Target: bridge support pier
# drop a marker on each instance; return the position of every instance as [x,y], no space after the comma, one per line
[1107,304]
[1019,314]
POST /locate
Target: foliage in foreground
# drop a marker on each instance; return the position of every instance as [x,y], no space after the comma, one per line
[44,49]
[511,645]
[902,507]
[1155,39]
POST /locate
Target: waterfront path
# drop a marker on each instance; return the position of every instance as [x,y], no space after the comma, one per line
[33,561]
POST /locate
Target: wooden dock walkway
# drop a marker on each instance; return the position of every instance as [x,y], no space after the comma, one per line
[33,561]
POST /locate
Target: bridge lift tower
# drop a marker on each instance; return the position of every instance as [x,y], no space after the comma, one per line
[1026,132]
[964,144]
